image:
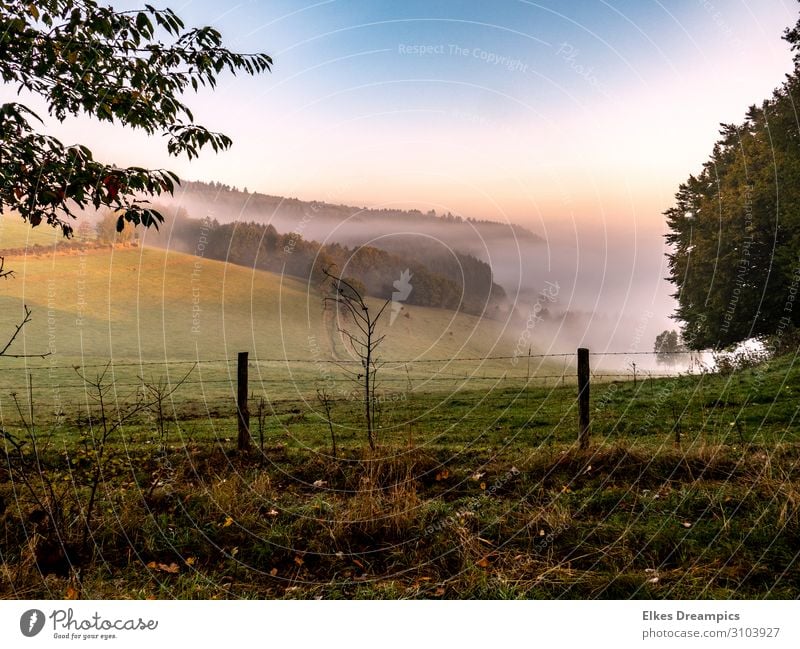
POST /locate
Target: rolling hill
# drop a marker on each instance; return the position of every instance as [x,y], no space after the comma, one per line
[140,307]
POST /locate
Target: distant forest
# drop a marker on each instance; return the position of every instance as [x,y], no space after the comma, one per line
[440,278]
[242,205]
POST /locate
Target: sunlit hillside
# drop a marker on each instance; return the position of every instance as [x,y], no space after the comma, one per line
[140,307]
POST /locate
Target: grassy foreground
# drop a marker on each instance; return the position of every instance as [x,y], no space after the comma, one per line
[690,490]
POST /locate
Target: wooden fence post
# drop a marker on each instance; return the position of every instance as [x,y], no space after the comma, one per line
[242,411]
[583,397]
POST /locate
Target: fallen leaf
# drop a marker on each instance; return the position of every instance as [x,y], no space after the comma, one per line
[272,512]
[319,483]
[191,561]
[686,524]
[299,560]
[228,522]
[483,563]
[72,593]
[652,580]
[163,567]
[439,591]
[273,572]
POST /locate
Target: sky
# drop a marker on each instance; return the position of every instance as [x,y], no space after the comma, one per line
[545,113]
[577,119]
[530,111]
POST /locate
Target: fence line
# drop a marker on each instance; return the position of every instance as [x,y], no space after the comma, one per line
[239,383]
[316,361]
[312,381]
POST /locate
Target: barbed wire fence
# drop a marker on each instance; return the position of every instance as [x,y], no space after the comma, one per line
[211,388]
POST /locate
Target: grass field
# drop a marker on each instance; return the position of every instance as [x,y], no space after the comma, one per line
[154,313]
[15,233]
[471,495]
[476,490]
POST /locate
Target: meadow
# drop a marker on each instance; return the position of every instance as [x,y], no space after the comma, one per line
[473,495]
[477,488]
[154,314]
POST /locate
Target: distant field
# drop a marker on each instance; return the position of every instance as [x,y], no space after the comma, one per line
[145,307]
[16,233]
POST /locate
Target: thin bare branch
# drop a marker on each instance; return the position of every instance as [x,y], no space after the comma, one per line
[25,320]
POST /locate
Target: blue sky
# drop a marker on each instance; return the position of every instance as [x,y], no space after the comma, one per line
[541,112]
[373,102]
